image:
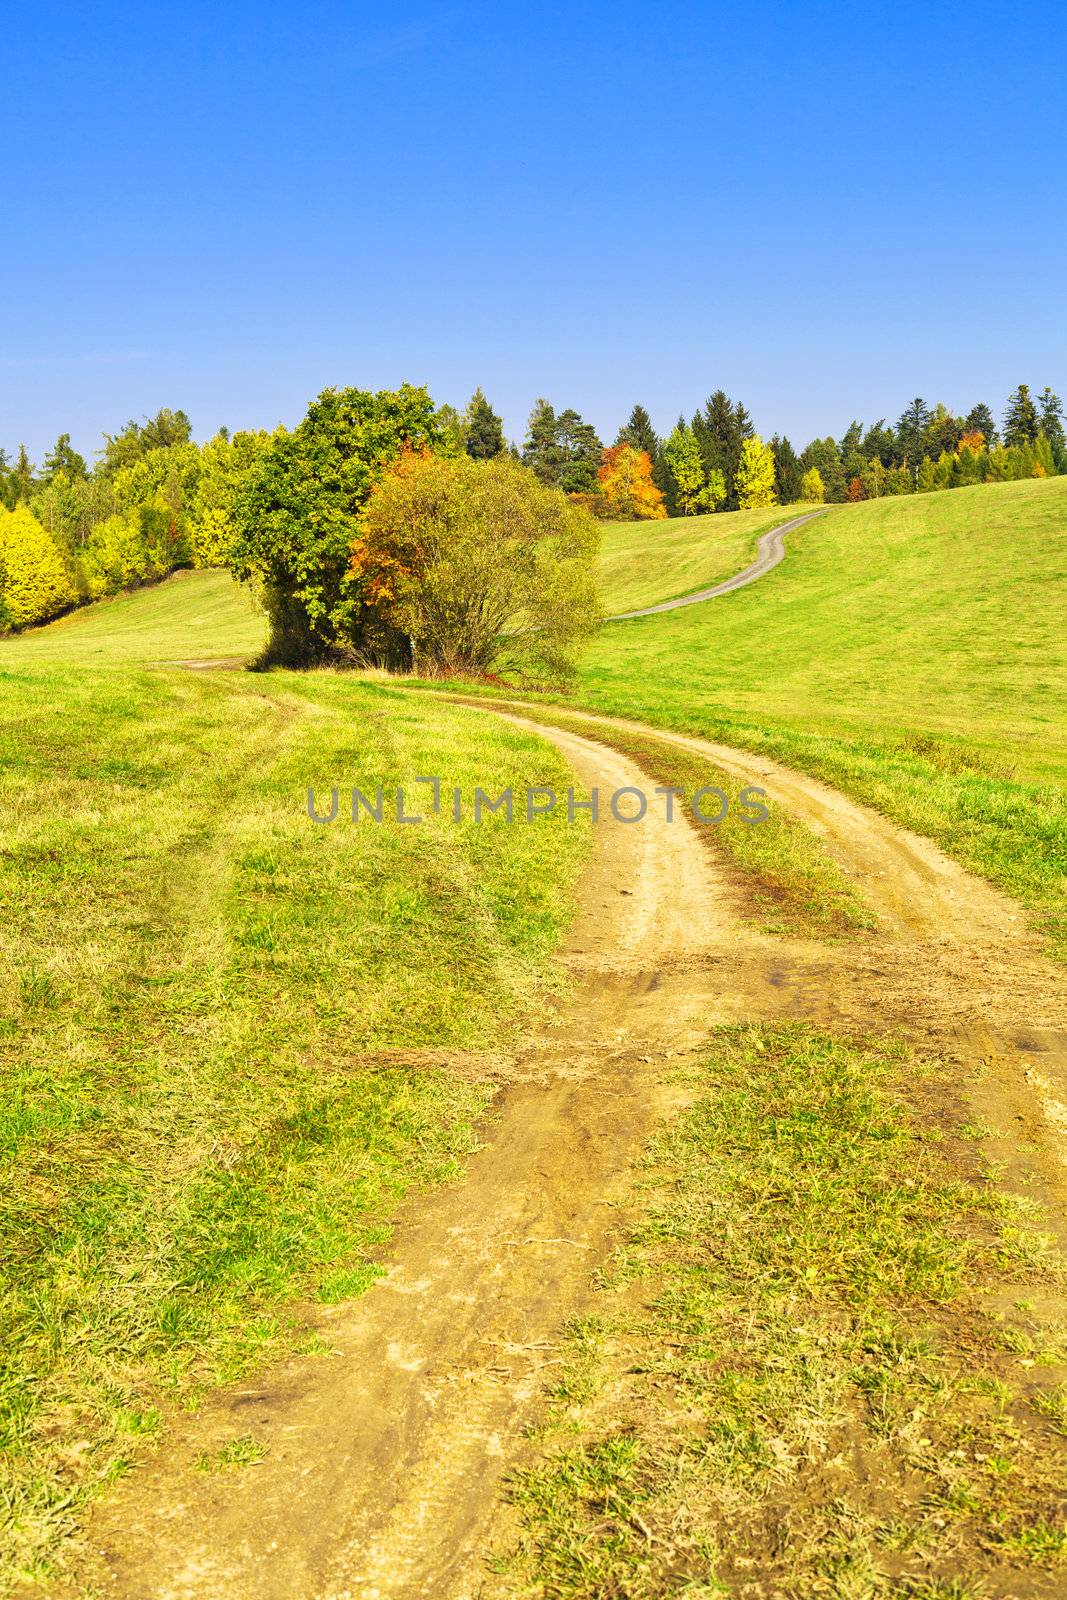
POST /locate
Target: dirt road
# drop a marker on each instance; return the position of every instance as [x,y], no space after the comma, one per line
[385,1459]
[769,552]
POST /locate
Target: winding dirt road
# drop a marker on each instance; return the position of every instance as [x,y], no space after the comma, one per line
[385,1460]
[769,552]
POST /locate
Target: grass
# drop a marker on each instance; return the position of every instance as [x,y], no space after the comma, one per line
[199,616]
[642,563]
[911,652]
[800,1379]
[230,1039]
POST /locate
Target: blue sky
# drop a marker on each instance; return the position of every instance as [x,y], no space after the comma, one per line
[825,210]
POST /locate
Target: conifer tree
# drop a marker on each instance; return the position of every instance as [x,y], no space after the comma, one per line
[979,419]
[787,473]
[1052,427]
[541,450]
[640,433]
[1020,418]
[485,431]
[911,430]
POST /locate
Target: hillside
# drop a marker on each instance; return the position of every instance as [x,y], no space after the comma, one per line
[911,650]
[642,563]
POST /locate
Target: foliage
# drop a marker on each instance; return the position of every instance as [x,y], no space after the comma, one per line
[161,432]
[64,458]
[297,514]
[562,450]
[682,458]
[225,462]
[640,433]
[627,492]
[478,564]
[1020,418]
[812,487]
[34,581]
[755,482]
[787,471]
[484,429]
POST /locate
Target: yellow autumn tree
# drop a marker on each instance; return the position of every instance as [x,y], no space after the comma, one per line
[34,581]
[754,483]
[625,491]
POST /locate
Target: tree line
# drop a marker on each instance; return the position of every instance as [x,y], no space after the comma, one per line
[155,500]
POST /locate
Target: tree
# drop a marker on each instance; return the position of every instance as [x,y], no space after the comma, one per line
[485,431]
[475,567]
[812,487]
[581,452]
[22,477]
[1052,427]
[298,511]
[627,492]
[755,475]
[927,479]
[787,473]
[681,455]
[824,454]
[1020,418]
[64,458]
[943,432]
[713,493]
[34,581]
[640,433]
[224,466]
[879,443]
[720,429]
[979,419]
[541,451]
[452,429]
[911,430]
[160,432]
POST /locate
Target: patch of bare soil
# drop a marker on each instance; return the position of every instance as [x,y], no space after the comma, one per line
[384,1461]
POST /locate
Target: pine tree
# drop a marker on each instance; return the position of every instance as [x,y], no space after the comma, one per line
[1020,418]
[542,451]
[581,451]
[640,433]
[485,431]
[787,472]
[911,430]
[22,477]
[64,458]
[754,485]
[979,419]
[1052,427]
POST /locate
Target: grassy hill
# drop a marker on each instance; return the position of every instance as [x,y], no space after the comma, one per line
[911,650]
[229,1038]
[642,563]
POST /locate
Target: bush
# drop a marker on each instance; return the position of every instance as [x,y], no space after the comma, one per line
[34,581]
[475,567]
[297,514]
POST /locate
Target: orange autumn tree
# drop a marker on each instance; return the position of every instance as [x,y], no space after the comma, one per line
[626,492]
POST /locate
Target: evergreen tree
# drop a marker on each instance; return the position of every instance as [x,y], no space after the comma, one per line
[485,431]
[824,454]
[879,443]
[943,432]
[64,458]
[850,443]
[979,419]
[720,431]
[911,430]
[541,451]
[640,433]
[1052,427]
[1020,418]
[787,472]
[22,477]
[581,453]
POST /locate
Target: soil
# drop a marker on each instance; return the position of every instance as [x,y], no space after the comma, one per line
[385,1460]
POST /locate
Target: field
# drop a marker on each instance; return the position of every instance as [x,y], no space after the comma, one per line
[731,1258]
[911,651]
[230,1039]
[642,563]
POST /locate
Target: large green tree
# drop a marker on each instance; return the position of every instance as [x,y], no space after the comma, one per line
[640,433]
[136,439]
[787,471]
[1052,427]
[484,429]
[64,458]
[911,431]
[980,419]
[297,514]
[1021,421]
[541,450]
[681,455]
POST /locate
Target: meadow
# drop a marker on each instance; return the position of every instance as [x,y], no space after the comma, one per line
[642,563]
[231,1039]
[910,651]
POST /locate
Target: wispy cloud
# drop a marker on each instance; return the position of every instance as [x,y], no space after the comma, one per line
[88,358]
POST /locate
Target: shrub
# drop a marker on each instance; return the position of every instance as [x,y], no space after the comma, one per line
[34,581]
[476,567]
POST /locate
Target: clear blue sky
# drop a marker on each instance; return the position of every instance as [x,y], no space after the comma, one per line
[823,209]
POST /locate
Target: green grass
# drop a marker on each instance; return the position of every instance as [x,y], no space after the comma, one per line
[230,1038]
[198,616]
[642,563]
[799,1379]
[910,651]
